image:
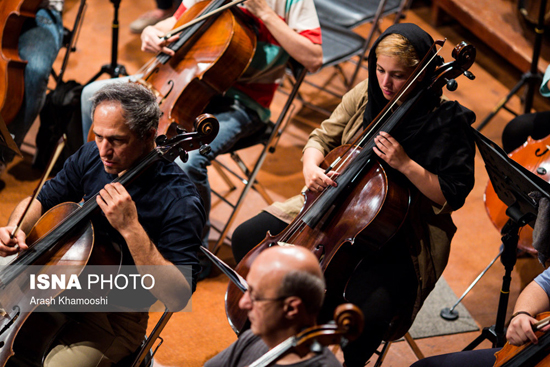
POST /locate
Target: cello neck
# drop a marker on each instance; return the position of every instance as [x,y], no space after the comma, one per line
[191,31]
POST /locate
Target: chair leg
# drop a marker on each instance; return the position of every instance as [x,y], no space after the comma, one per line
[256,185]
[417,352]
[221,172]
[382,354]
[409,339]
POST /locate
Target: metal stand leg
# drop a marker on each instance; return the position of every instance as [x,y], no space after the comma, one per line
[530,78]
[114,69]
[496,333]
[450,313]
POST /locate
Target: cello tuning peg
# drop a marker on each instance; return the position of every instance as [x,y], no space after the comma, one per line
[469,75]
[161,140]
[184,156]
[205,149]
[180,130]
[452,85]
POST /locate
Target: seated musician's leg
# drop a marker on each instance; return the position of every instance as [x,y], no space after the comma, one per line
[470,358]
[384,287]
[236,122]
[250,233]
[516,132]
[98,339]
[39,44]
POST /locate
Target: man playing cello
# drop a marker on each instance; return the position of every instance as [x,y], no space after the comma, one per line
[158,220]
[285,293]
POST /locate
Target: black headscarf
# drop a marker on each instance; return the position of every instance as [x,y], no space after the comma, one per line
[422,42]
[439,139]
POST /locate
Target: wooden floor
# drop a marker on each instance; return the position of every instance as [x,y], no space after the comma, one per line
[190,338]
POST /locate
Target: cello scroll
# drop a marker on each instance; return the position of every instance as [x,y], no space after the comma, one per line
[347,326]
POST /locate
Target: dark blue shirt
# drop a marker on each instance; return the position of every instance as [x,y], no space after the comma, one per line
[168,205]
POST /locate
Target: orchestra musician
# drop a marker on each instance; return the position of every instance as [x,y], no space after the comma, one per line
[433,148]
[285,293]
[157,221]
[533,300]
[40,40]
[285,28]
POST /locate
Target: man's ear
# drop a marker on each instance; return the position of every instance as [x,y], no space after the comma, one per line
[292,307]
[150,135]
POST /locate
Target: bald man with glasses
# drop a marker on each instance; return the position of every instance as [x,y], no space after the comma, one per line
[285,293]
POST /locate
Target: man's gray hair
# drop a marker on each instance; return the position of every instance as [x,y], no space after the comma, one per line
[307,286]
[139,105]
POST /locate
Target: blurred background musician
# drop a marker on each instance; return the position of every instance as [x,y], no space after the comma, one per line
[40,40]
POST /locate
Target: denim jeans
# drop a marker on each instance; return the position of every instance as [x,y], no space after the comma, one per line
[236,122]
[86,103]
[40,41]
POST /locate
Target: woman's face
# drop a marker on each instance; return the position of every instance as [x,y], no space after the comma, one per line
[391,74]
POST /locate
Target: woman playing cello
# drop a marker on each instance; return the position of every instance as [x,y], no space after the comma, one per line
[432,149]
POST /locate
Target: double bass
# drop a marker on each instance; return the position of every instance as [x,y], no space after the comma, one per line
[366,208]
[63,239]
[13,14]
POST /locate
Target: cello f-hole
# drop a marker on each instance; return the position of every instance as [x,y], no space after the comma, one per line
[538,152]
[10,323]
[154,71]
[171,84]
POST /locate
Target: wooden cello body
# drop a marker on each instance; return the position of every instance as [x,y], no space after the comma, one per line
[527,355]
[369,216]
[13,14]
[535,156]
[209,58]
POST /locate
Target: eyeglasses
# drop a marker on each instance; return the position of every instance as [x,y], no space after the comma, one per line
[254,299]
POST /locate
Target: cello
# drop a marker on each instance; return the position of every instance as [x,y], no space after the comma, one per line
[535,156]
[529,354]
[13,14]
[209,57]
[366,208]
[64,236]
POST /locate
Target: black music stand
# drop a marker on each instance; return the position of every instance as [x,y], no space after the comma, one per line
[512,184]
[114,69]
[530,78]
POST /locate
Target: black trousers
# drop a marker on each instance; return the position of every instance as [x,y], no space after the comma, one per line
[535,125]
[383,285]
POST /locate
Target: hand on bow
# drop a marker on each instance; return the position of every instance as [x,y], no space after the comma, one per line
[151,40]
[10,246]
[259,8]
[316,179]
